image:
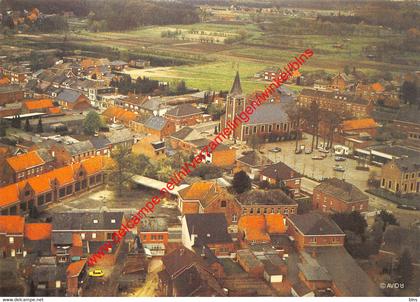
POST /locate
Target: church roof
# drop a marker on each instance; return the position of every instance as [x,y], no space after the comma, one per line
[236,87]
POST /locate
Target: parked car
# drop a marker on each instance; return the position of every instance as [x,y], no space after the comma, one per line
[299,151]
[275,150]
[339,158]
[308,151]
[339,168]
[96,273]
[317,157]
[323,150]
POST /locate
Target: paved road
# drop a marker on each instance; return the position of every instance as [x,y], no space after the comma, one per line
[149,288]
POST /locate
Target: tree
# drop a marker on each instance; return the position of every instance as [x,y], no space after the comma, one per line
[409,92]
[40,128]
[405,267]
[92,123]
[254,142]
[347,69]
[241,182]
[353,221]
[121,172]
[388,218]
[181,87]
[3,127]
[28,126]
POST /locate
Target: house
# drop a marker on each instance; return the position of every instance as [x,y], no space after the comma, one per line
[67,154]
[342,81]
[407,121]
[207,230]
[27,165]
[340,103]
[90,230]
[250,263]
[101,144]
[48,278]
[123,138]
[268,121]
[42,105]
[357,126]
[10,94]
[150,146]
[257,229]
[184,115]
[185,274]
[11,235]
[222,156]
[336,195]
[153,234]
[252,163]
[282,173]
[77,275]
[73,100]
[314,230]
[139,63]
[259,202]
[52,186]
[401,175]
[37,239]
[18,74]
[116,114]
[118,65]
[209,197]
[159,126]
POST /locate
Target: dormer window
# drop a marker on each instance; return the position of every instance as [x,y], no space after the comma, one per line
[95,220]
[112,220]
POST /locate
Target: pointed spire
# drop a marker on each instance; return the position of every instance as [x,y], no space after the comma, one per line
[236,87]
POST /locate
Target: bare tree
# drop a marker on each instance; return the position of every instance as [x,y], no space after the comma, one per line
[294,113]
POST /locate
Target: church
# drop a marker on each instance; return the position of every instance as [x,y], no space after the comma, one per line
[270,121]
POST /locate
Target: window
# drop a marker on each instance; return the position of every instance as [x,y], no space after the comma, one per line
[262,128]
[251,211]
[11,240]
[58,284]
[258,211]
[41,199]
[270,128]
[246,130]
[286,211]
[255,129]
[83,235]
[112,220]
[95,220]
[312,240]
[48,197]
[160,237]
[265,210]
[272,210]
[93,235]
[389,184]
[383,182]
[223,204]
[234,218]
[108,236]
[62,192]
[244,210]
[69,190]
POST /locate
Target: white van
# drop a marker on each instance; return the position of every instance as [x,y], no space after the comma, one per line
[341,150]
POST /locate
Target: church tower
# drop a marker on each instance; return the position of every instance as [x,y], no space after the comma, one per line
[235,103]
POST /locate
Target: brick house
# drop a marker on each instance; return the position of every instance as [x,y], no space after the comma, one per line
[52,186]
[76,278]
[154,235]
[280,172]
[73,100]
[253,229]
[335,195]
[357,126]
[222,156]
[42,105]
[27,165]
[401,175]
[252,163]
[336,102]
[151,146]
[187,274]
[314,230]
[71,230]
[11,235]
[209,197]
[68,154]
[408,122]
[116,114]
[207,230]
[10,94]
[184,115]
[159,126]
[259,202]
[342,81]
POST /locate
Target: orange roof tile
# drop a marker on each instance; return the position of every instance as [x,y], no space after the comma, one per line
[9,195]
[359,124]
[12,224]
[77,240]
[25,161]
[38,231]
[275,223]
[74,269]
[120,114]
[4,81]
[54,110]
[378,87]
[39,104]
[42,183]
[197,190]
[254,227]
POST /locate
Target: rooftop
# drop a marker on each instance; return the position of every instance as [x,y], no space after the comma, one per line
[315,224]
[342,190]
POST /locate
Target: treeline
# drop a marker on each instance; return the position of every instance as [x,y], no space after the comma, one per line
[402,18]
[78,7]
[123,15]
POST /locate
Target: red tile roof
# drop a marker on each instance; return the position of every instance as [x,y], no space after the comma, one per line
[38,231]
[258,227]
[25,161]
[12,224]
[39,104]
[42,183]
[74,269]
[359,124]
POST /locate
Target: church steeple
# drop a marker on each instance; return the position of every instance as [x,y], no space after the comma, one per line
[236,87]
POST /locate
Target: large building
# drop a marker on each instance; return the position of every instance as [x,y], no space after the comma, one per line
[269,119]
[401,175]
